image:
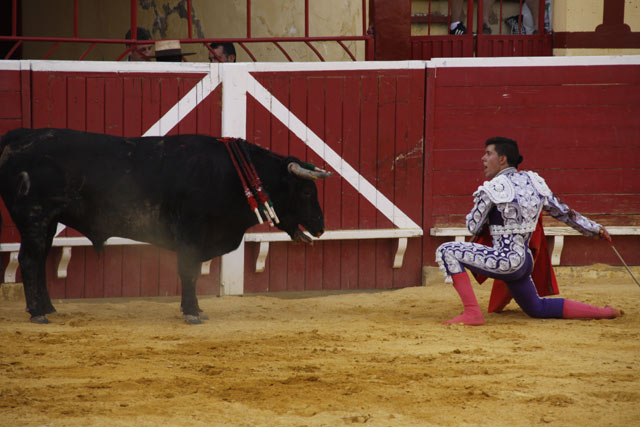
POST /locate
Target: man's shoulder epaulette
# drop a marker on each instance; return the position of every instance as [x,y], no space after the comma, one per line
[539,183]
[500,189]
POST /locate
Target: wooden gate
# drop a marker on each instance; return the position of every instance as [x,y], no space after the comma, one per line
[373,119]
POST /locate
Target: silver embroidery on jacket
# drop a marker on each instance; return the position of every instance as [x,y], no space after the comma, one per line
[519,197]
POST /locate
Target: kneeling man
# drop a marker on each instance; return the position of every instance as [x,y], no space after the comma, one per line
[510,204]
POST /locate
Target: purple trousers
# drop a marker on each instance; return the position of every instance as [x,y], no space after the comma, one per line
[524,291]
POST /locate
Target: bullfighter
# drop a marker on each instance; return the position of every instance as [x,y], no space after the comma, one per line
[509,204]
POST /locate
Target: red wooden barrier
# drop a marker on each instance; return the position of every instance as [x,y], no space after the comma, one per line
[576,125]
[118,104]
[375,121]
[417,137]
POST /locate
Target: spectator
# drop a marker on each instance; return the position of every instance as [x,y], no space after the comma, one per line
[457,15]
[521,23]
[486,11]
[529,8]
[141,52]
[529,20]
[222,52]
[169,51]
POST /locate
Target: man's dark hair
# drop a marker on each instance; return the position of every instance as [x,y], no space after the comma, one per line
[141,33]
[227,48]
[506,147]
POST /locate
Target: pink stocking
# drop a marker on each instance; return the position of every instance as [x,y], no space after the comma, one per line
[472,314]
[579,310]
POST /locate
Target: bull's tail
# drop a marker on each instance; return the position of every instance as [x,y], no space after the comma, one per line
[3,143]
[23,186]
[10,187]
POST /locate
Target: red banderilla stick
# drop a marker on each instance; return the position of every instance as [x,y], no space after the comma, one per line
[255,182]
[253,204]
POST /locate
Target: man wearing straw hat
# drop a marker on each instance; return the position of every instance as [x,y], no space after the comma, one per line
[169,51]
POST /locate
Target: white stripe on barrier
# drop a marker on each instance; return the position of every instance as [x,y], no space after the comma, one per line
[195,67]
[534,61]
[195,96]
[8,65]
[314,142]
[192,67]
[258,67]
[117,67]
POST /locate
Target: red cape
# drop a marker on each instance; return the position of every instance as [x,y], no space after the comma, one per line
[543,276]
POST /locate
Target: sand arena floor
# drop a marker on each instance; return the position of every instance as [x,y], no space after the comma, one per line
[373,358]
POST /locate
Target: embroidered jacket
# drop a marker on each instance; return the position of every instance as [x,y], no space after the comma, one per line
[519,197]
[510,205]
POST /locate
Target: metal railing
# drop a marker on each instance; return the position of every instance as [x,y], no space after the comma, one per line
[243,42]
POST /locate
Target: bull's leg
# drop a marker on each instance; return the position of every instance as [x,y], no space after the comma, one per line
[32,259]
[36,243]
[42,288]
[188,269]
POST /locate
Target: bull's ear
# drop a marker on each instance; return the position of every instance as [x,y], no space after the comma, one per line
[295,169]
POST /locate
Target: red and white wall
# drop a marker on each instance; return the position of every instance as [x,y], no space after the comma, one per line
[405,139]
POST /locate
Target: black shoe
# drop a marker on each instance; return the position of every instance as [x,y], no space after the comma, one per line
[512,22]
[458,30]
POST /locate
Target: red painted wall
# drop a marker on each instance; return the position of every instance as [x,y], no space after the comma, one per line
[576,126]
[418,137]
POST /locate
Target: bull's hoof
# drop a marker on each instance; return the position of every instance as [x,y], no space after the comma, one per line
[42,320]
[191,319]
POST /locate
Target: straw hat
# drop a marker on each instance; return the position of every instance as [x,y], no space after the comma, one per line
[169,48]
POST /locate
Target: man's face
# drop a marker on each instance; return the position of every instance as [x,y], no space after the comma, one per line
[492,162]
[221,56]
[146,49]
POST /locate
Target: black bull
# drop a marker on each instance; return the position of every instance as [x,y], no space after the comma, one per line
[178,192]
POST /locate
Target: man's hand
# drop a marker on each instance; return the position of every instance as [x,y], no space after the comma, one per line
[604,234]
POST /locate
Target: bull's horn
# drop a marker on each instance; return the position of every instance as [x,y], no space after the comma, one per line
[298,170]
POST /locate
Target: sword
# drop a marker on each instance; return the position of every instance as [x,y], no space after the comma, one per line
[621,260]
